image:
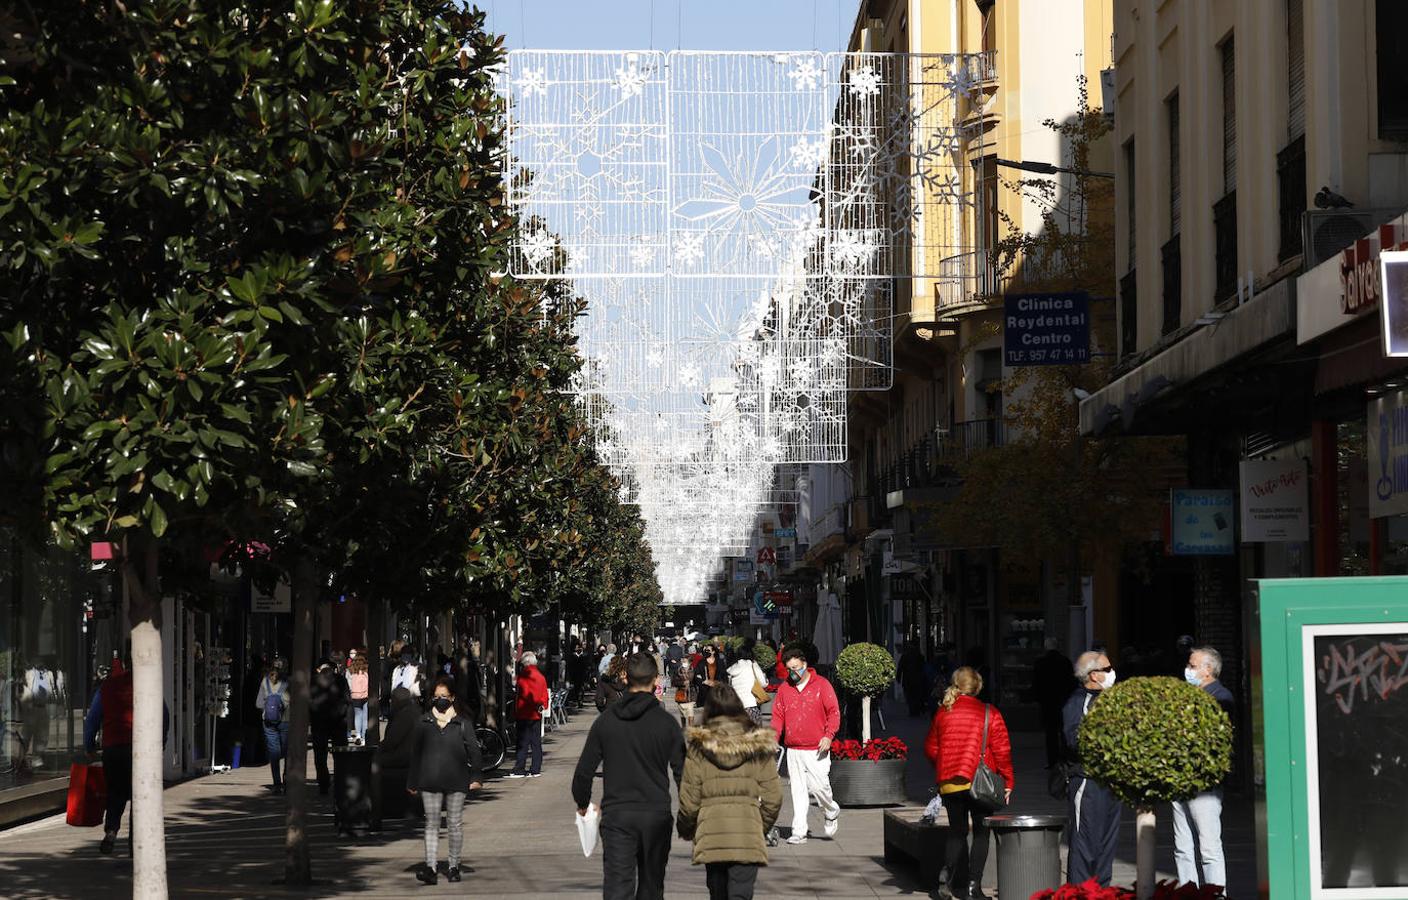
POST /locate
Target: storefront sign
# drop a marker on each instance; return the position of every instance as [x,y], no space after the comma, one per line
[784,532]
[1203,522]
[742,570]
[1046,329]
[1387,436]
[1394,280]
[767,556]
[1275,501]
[280,602]
[1346,286]
[779,598]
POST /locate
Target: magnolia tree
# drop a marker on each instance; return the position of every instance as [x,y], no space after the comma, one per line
[867,670]
[1155,740]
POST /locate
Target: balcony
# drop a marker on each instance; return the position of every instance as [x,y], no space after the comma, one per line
[1224,226]
[968,282]
[1173,285]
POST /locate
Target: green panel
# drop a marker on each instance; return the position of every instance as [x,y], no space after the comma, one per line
[1287,605]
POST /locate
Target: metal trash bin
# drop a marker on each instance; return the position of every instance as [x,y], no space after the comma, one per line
[1028,853]
[352,789]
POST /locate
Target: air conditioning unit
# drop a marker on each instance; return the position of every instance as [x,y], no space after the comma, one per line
[1328,231]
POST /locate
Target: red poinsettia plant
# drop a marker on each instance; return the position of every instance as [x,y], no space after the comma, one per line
[1164,890]
[873,750]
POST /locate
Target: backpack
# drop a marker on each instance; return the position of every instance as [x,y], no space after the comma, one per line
[273,704]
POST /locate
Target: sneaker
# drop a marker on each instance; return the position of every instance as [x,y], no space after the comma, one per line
[453,874]
[797,839]
[427,875]
[516,775]
[108,841]
[535,774]
[830,825]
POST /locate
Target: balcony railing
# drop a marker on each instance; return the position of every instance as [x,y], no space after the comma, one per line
[1224,226]
[1173,285]
[968,279]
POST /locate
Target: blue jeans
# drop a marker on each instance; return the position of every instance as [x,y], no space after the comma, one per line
[359,720]
[1203,815]
[276,745]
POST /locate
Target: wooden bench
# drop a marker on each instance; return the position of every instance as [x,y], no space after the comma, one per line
[907,839]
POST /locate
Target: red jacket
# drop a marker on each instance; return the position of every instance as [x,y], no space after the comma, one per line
[532,695]
[956,735]
[803,717]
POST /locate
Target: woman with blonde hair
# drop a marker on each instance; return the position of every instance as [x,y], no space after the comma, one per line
[358,691]
[966,731]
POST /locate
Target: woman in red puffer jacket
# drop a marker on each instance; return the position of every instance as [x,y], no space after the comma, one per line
[954,743]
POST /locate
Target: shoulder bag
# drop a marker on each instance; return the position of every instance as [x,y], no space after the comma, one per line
[759,688]
[989,790]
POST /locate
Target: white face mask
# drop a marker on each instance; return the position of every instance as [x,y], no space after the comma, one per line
[1108,680]
[1191,676]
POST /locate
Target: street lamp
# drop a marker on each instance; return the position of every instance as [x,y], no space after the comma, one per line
[1042,168]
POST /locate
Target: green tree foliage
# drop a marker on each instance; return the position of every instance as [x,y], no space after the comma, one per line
[250,294]
[1156,740]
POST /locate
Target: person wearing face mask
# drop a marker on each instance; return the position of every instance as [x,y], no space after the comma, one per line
[1094,811]
[806,717]
[445,766]
[710,672]
[1202,815]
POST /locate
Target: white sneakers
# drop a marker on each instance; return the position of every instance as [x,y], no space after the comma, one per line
[831,825]
[797,839]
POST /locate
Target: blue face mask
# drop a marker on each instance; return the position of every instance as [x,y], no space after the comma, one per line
[1190,675]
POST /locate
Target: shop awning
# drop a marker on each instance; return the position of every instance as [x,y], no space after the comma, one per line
[1266,318]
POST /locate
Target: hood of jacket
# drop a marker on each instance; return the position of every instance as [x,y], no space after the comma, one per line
[633,705]
[729,744]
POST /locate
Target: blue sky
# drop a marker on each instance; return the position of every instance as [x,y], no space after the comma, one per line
[671,24]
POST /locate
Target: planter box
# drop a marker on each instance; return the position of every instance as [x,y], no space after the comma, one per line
[861,782]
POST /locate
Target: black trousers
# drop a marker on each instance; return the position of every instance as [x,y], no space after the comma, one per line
[322,738]
[731,881]
[117,769]
[635,846]
[530,739]
[1095,832]
[965,867]
[1051,725]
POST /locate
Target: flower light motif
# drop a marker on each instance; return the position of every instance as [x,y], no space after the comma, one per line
[537,247]
[533,81]
[865,81]
[630,81]
[807,154]
[690,376]
[744,193]
[655,356]
[643,255]
[806,75]
[689,247]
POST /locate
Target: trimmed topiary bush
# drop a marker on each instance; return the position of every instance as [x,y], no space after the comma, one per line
[765,656]
[1155,740]
[865,669]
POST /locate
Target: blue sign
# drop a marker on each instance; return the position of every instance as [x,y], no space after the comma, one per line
[785,532]
[1046,329]
[1203,522]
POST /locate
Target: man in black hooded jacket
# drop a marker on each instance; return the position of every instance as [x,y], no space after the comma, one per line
[639,744]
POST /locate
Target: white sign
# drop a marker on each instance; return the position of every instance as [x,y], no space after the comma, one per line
[1388,455]
[280,602]
[1394,305]
[1275,500]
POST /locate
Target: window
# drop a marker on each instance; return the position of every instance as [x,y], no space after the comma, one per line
[1391,44]
[989,26]
[1295,67]
[1131,215]
[1129,314]
[1229,116]
[989,223]
[1174,205]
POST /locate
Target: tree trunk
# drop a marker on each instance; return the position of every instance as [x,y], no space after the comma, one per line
[865,718]
[375,627]
[1144,822]
[297,866]
[148,817]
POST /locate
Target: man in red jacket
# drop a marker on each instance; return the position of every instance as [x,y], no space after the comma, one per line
[806,717]
[528,706]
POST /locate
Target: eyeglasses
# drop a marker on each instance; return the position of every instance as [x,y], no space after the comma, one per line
[1105,669]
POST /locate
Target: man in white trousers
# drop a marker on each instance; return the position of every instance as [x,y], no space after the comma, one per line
[806,717]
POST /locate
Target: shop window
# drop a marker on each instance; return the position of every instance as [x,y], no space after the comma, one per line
[1352,483]
[1391,44]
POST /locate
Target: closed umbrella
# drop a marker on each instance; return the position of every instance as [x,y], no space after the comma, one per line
[827,634]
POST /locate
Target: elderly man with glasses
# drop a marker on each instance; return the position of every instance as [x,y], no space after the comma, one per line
[1202,815]
[1094,811]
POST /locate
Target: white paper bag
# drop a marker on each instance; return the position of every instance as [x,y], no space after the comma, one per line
[587,828]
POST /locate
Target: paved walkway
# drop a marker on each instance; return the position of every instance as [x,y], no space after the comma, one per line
[225,839]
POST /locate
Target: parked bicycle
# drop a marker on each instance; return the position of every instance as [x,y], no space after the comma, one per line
[495,744]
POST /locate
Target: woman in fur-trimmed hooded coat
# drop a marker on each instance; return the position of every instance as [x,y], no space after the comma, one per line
[730,794]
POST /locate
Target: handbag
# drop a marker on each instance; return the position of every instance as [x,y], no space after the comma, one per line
[988,790]
[760,693]
[87,795]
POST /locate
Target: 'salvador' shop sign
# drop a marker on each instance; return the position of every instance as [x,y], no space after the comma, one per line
[1361,287]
